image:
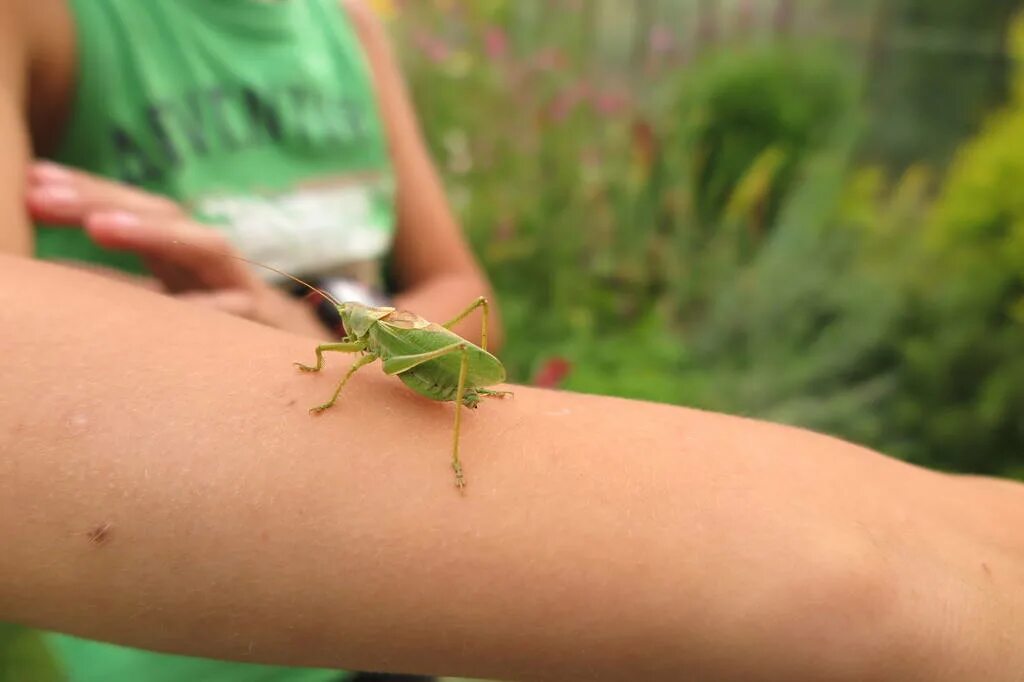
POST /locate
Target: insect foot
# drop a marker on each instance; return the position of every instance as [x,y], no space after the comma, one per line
[500,395]
[460,480]
[306,368]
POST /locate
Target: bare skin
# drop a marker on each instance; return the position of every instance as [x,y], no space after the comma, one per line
[599,539]
[437,273]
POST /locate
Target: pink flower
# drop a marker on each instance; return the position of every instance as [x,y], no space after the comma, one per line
[746,16]
[438,53]
[495,42]
[563,105]
[661,40]
[436,50]
[568,100]
[550,59]
[611,102]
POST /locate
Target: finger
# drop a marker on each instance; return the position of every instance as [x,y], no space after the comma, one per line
[178,243]
[62,195]
[234,302]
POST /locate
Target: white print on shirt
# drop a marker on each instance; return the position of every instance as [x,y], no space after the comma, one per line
[326,228]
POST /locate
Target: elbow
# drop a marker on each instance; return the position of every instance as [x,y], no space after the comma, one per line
[444,297]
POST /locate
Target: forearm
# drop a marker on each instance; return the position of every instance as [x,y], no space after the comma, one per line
[162,485]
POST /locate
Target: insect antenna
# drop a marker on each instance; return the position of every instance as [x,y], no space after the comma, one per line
[265,267]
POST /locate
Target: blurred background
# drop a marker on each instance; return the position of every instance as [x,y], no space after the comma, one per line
[808,212]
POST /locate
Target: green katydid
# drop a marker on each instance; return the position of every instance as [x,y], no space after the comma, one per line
[429,358]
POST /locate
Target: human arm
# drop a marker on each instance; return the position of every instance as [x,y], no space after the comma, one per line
[162,485]
[15,236]
[435,267]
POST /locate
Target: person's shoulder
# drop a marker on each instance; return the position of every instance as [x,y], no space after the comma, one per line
[359,11]
[12,28]
[40,25]
[365,21]
[46,33]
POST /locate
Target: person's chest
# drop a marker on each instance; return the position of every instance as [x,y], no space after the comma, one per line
[266,131]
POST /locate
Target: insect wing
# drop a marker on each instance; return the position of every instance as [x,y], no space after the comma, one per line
[484,369]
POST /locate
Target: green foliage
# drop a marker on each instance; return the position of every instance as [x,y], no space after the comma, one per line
[964,366]
[937,67]
[575,189]
[706,238]
[745,106]
[802,334]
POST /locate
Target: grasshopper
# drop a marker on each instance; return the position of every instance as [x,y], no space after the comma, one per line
[429,358]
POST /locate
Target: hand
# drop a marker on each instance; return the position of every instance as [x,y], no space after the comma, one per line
[190,261]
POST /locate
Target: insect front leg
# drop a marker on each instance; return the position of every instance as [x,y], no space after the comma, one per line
[480,302]
[339,347]
[361,362]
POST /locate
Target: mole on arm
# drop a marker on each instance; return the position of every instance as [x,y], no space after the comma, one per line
[100,535]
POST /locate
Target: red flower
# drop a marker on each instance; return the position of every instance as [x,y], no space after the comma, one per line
[552,373]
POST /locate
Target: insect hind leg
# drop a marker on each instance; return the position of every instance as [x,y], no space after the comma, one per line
[480,302]
[460,480]
[488,393]
[473,395]
[403,363]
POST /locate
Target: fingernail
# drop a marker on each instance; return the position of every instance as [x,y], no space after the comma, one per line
[57,196]
[117,220]
[48,171]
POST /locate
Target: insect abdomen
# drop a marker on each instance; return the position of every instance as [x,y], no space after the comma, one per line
[427,385]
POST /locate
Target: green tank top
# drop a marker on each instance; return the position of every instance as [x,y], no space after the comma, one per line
[260,118]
